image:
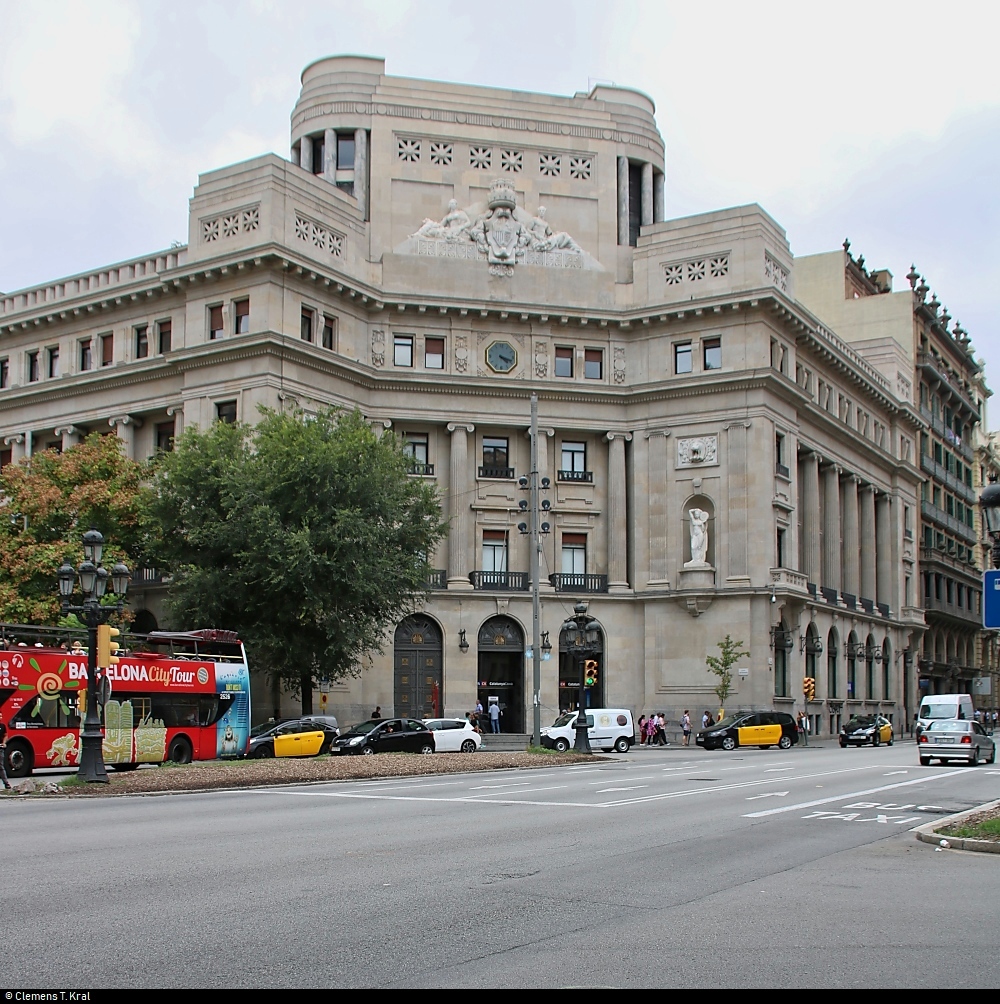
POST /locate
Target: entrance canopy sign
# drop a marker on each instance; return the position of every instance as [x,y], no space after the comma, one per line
[991,598]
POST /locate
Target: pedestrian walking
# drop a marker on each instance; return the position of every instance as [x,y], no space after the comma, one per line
[661,730]
[642,730]
[377,713]
[3,755]
[705,720]
[686,727]
[495,717]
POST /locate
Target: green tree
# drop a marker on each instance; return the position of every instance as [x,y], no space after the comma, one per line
[304,534]
[722,666]
[47,503]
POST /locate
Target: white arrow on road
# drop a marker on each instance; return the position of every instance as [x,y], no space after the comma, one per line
[767,794]
[891,772]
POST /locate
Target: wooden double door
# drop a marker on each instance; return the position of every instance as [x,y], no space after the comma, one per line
[417,674]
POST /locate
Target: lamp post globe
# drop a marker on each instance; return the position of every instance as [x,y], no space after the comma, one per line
[989,502]
[93,545]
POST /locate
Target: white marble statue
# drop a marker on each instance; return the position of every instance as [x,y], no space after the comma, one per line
[699,538]
[500,235]
[544,238]
[454,226]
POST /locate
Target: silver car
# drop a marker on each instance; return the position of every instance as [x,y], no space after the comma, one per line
[956,739]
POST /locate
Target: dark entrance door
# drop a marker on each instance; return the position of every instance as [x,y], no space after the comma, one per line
[569,677]
[501,672]
[417,668]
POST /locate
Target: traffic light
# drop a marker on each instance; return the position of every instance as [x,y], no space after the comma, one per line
[809,688]
[106,648]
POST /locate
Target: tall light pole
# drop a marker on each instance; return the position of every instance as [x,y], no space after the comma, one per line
[93,578]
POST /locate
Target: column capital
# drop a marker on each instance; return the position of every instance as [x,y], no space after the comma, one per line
[740,423]
[650,433]
[542,431]
[851,477]
[610,436]
[453,426]
[17,438]
[125,420]
[67,430]
[173,409]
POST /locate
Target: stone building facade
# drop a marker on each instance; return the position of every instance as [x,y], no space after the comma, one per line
[721,461]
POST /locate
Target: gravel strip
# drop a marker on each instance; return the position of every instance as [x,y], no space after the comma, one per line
[215,774]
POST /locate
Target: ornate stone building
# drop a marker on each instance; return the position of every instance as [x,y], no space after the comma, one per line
[720,460]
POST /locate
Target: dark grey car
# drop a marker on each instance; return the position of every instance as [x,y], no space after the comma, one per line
[956,739]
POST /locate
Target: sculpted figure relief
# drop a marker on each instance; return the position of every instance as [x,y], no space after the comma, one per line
[699,538]
[544,238]
[454,226]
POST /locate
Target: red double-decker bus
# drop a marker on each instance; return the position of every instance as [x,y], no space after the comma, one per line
[177,696]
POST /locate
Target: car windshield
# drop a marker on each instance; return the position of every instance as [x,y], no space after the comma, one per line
[937,710]
[861,722]
[565,719]
[726,723]
[953,725]
[363,728]
[263,729]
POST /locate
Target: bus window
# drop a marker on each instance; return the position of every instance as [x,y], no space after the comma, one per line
[49,713]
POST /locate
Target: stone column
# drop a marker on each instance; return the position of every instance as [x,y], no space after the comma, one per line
[831,527]
[659,205]
[623,201]
[176,412]
[657,475]
[125,426]
[330,155]
[850,552]
[16,444]
[739,511]
[70,435]
[617,515]
[868,542]
[306,154]
[460,561]
[883,550]
[647,195]
[361,171]
[811,554]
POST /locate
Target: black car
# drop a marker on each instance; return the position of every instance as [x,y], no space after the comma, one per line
[761,728]
[864,729]
[386,735]
[291,737]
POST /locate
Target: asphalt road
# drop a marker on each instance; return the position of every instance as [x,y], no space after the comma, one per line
[674,868]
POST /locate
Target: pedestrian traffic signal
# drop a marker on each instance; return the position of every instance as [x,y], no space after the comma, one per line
[106,648]
[809,688]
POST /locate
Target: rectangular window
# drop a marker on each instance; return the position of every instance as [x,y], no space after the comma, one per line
[6,457]
[4,373]
[306,325]
[593,364]
[415,447]
[564,361]
[142,341]
[434,353]
[329,332]
[53,363]
[241,317]
[165,436]
[494,550]
[164,331]
[107,350]
[574,554]
[712,353]
[86,355]
[574,457]
[682,357]
[345,151]
[402,350]
[780,548]
[495,452]
[226,411]
[215,329]
[33,373]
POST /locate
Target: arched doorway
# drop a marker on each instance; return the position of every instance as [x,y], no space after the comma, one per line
[569,677]
[417,668]
[144,622]
[501,671]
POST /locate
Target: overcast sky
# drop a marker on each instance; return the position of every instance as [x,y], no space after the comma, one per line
[878,122]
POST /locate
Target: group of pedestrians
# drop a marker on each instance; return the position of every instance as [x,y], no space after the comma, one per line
[652,730]
[477,718]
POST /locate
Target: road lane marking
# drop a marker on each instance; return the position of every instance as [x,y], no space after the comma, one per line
[852,794]
[767,794]
[523,791]
[643,777]
[772,770]
[633,787]
[892,772]
[509,784]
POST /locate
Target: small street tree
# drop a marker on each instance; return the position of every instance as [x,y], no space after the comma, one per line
[722,666]
[304,534]
[46,505]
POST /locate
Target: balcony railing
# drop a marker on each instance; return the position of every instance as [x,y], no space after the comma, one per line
[585,476]
[145,577]
[927,362]
[936,555]
[933,604]
[500,581]
[939,471]
[936,515]
[946,433]
[781,470]
[425,470]
[578,582]
[497,473]
[437,578]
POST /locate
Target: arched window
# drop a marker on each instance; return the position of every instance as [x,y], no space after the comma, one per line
[852,667]
[886,670]
[813,649]
[832,681]
[870,668]
[780,660]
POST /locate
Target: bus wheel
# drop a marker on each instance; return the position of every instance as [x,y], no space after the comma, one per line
[19,759]
[124,766]
[180,750]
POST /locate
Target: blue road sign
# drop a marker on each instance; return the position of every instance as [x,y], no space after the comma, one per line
[991,598]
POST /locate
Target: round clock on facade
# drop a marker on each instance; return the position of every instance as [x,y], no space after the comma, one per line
[501,357]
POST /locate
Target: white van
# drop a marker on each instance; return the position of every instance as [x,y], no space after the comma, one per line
[608,729]
[935,706]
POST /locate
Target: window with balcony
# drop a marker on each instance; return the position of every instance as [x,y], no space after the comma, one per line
[494,551]
[52,362]
[779,548]
[593,364]
[574,554]
[241,317]
[496,458]
[329,332]
[345,151]
[306,325]
[573,464]
[434,353]
[4,373]
[780,458]
[33,371]
[682,357]
[165,436]
[164,331]
[225,411]
[415,448]
[564,361]
[711,349]
[141,341]
[107,350]
[402,350]
[215,328]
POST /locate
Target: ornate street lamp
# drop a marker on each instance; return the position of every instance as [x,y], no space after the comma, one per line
[989,500]
[93,578]
[582,639]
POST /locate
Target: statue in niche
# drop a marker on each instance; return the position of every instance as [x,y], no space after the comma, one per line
[544,238]
[454,226]
[699,539]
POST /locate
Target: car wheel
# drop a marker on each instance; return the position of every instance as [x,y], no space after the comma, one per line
[180,750]
[19,759]
[426,748]
[925,761]
[368,751]
[264,752]
[469,746]
[621,745]
[785,742]
[875,739]
[889,743]
[993,756]
[974,759]
[561,745]
[729,743]
[843,745]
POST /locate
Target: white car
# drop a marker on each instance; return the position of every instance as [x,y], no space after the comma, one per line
[453,735]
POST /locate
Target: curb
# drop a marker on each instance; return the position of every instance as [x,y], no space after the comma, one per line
[927,833]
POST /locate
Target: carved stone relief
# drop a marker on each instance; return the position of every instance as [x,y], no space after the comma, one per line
[378,348]
[697,451]
[541,360]
[618,366]
[461,353]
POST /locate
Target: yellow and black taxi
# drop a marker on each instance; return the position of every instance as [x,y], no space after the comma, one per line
[864,730]
[759,728]
[293,737]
